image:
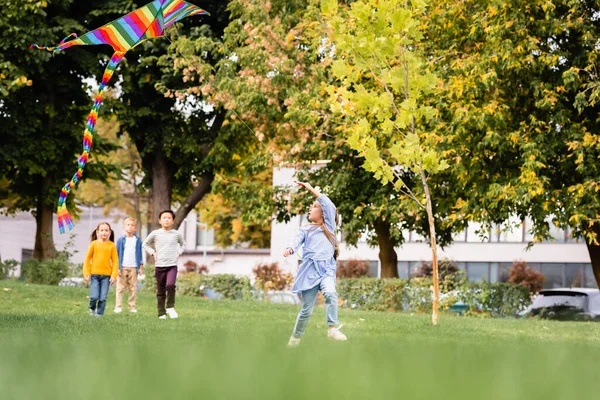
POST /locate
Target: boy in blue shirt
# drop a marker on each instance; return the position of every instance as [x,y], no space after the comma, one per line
[131,264]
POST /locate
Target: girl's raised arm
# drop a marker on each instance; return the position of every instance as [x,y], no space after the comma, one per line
[329,212]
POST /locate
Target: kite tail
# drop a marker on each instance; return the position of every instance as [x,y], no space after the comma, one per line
[61,46]
[64,218]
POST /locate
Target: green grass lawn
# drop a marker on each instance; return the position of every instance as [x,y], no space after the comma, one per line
[50,348]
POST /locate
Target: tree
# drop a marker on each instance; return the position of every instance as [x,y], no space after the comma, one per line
[519,108]
[253,73]
[182,132]
[378,42]
[240,211]
[41,123]
[121,189]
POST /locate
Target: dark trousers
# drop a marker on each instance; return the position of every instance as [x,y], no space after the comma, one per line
[165,287]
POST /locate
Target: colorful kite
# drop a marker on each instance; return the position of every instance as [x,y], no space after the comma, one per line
[122,34]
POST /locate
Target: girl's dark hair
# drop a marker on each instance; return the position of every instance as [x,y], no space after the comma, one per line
[167,211]
[94,235]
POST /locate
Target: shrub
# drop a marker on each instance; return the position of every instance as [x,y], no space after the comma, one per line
[418,296]
[228,285]
[447,270]
[192,284]
[521,274]
[192,266]
[47,272]
[372,293]
[271,277]
[6,267]
[149,279]
[487,299]
[352,268]
[188,284]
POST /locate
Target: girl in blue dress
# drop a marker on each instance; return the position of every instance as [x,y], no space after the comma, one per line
[317,271]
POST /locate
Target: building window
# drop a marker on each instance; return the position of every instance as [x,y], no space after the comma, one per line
[460,236]
[416,237]
[574,275]
[558,235]
[476,233]
[26,254]
[589,280]
[403,269]
[553,275]
[477,271]
[413,267]
[205,237]
[374,269]
[512,231]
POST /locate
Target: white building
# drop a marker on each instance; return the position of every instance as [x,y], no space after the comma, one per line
[564,262]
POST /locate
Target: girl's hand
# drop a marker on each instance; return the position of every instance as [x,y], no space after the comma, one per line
[86,278]
[112,280]
[304,184]
[308,187]
[141,270]
[288,252]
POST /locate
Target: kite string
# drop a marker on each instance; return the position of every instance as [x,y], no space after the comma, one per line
[64,218]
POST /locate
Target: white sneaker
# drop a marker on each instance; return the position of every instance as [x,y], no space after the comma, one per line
[91,311]
[172,313]
[133,310]
[118,309]
[293,342]
[335,334]
[162,317]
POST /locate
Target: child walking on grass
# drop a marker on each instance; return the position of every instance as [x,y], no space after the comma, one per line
[131,264]
[102,266]
[165,245]
[317,270]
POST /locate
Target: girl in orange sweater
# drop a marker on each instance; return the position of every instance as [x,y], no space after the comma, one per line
[102,264]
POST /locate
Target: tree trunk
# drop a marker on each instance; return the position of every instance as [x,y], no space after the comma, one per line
[433,243]
[594,251]
[197,194]
[44,221]
[162,186]
[387,255]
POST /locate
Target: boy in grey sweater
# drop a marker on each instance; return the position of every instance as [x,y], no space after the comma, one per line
[165,245]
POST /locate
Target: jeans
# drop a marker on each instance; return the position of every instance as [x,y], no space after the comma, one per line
[99,285]
[327,287]
[165,288]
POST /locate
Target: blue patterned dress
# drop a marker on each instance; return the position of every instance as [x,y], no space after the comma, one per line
[317,254]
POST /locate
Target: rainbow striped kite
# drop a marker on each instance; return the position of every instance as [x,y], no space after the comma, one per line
[122,34]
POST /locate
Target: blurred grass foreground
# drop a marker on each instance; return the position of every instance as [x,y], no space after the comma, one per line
[50,348]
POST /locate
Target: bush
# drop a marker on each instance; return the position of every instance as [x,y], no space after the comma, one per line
[149,284]
[228,285]
[352,268]
[6,267]
[47,272]
[418,296]
[447,270]
[521,274]
[271,277]
[188,284]
[372,293]
[487,299]
[192,284]
[192,266]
